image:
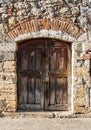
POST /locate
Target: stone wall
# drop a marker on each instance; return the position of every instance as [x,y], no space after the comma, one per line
[14,12]
[81,78]
[8,88]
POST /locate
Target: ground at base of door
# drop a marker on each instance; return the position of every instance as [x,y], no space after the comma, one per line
[29,123]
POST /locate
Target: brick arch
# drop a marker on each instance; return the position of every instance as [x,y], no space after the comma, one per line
[55,28]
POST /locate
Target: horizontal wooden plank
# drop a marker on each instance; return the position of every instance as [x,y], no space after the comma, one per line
[29,73]
[60,74]
[58,107]
[30,107]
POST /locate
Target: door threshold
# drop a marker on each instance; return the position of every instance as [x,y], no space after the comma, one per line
[40,114]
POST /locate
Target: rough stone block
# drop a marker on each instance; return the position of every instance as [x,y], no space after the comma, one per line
[12,106]
[9,56]
[1,56]
[8,88]
[89,34]
[8,78]
[80,110]
[80,102]
[81,93]
[79,71]
[83,37]
[9,66]
[1,65]
[8,47]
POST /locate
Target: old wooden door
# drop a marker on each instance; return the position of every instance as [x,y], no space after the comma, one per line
[43,75]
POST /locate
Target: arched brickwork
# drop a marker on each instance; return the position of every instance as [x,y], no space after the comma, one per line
[56,24]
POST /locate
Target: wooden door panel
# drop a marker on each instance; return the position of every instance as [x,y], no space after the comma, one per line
[22,59]
[31,54]
[43,70]
[30,90]
[58,60]
[52,91]
[61,91]
[38,91]
[58,91]
[30,65]
[22,93]
[38,59]
[58,72]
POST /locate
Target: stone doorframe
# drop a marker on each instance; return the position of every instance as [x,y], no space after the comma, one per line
[71,105]
[54,35]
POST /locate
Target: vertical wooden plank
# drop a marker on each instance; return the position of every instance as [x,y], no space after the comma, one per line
[64,91]
[59,85]
[31,58]
[22,90]
[38,91]
[23,63]
[46,74]
[42,94]
[65,59]
[61,58]
[38,59]
[58,59]
[30,90]
[52,91]
[46,95]
[89,96]
[53,58]
[69,76]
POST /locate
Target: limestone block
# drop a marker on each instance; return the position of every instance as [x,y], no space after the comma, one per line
[89,35]
[81,72]
[80,102]
[4,16]
[8,88]
[8,47]
[2,10]
[8,78]
[3,105]
[11,21]
[79,110]
[81,92]
[9,66]
[1,56]
[1,65]
[83,37]
[1,27]
[21,12]
[9,56]
[12,106]
[63,10]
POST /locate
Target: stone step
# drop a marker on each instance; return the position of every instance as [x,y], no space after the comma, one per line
[53,114]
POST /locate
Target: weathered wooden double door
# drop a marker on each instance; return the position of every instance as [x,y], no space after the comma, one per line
[43,70]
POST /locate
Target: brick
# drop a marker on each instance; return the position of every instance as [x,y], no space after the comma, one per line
[44,24]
